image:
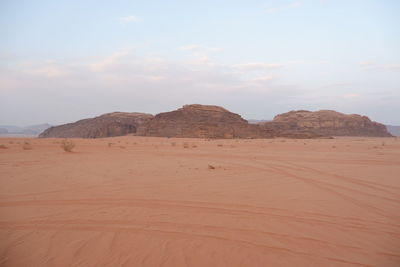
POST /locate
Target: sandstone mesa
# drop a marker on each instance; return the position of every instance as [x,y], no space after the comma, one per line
[207,121]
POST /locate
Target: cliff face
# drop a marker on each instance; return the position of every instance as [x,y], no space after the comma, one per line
[327,123]
[107,125]
[202,121]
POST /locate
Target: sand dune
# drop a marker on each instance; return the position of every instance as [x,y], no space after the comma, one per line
[135,201]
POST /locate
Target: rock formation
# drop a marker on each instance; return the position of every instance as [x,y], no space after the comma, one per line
[325,123]
[202,121]
[107,125]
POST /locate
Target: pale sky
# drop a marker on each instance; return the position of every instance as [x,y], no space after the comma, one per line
[65,60]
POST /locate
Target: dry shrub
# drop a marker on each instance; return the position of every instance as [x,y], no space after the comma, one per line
[185,145]
[27,146]
[3,147]
[173,144]
[211,167]
[110,144]
[220,145]
[122,147]
[67,145]
[194,145]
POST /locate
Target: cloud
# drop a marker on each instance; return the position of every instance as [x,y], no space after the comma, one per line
[129,19]
[124,70]
[200,48]
[292,5]
[201,53]
[108,62]
[43,68]
[351,95]
[257,66]
[370,65]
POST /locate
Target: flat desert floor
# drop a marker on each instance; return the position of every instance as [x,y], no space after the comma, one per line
[134,201]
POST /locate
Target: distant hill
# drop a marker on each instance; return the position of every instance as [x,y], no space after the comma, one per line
[17,131]
[394,130]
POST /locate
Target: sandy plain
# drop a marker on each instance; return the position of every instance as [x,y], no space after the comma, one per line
[134,201]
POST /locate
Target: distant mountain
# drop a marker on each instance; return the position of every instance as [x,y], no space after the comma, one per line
[394,130]
[32,130]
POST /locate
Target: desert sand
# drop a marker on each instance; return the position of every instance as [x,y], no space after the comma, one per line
[136,201]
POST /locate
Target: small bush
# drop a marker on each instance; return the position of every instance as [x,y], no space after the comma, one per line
[3,147]
[67,145]
[211,167]
[220,145]
[27,146]
[173,144]
[185,145]
[194,145]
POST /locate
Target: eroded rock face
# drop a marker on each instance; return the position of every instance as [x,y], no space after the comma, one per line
[326,123]
[107,125]
[202,121]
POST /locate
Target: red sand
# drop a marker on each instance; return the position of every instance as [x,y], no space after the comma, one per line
[146,202]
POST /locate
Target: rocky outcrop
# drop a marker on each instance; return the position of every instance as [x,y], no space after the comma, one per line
[202,121]
[107,125]
[325,123]
[205,121]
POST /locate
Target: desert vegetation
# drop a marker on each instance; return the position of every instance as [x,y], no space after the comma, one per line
[67,145]
[27,146]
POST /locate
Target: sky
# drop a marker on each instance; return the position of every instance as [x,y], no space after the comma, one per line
[62,61]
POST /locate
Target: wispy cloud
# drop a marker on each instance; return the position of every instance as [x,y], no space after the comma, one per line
[200,48]
[257,66]
[201,52]
[292,5]
[370,65]
[351,95]
[44,68]
[124,70]
[128,19]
